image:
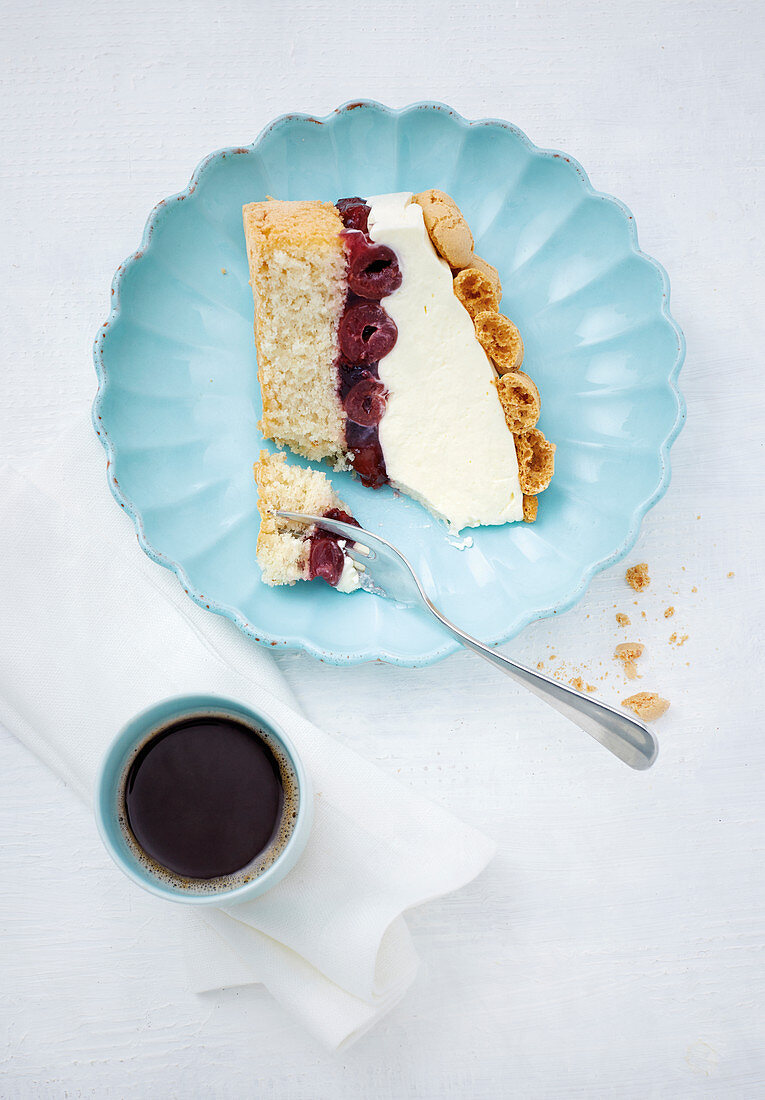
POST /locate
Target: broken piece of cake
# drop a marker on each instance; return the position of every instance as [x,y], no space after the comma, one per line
[380,348]
[628,653]
[647,705]
[637,576]
[288,552]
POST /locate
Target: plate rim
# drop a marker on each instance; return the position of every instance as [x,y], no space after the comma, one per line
[290,642]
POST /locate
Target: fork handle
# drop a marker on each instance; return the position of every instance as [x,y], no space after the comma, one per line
[624,736]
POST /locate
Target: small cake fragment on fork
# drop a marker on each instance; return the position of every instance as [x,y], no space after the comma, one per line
[289,551]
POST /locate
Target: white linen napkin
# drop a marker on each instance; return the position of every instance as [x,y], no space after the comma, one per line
[92,632]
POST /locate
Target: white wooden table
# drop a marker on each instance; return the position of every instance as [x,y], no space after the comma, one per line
[616,946]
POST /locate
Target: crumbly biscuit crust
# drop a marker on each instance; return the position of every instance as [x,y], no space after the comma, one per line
[477,285]
[500,339]
[446,227]
[490,272]
[520,401]
[476,291]
[536,461]
[530,506]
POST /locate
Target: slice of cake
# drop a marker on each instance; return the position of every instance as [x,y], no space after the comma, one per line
[298,268]
[289,552]
[381,348]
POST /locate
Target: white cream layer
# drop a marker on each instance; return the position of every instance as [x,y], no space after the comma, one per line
[349,578]
[443,435]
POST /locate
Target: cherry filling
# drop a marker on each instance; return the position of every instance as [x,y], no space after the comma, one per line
[341,517]
[365,402]
[368,461]
[348,374]
[326,558]
[366,334]
[354,212]
[373,270]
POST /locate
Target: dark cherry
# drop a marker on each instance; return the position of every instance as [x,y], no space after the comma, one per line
[349,374]
[354,213]
[341,517]
[373,270]
[366,333]
[365,403]
[326,559]
[368,461]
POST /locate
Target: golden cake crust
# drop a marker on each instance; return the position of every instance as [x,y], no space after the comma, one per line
[282,223]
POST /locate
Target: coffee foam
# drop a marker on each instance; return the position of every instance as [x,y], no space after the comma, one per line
[264,860]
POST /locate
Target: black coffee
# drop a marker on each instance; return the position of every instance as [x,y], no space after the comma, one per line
[205,796]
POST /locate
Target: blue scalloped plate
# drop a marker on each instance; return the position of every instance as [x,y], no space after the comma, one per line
[178,400]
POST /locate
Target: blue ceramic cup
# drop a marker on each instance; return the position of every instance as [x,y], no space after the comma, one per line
[111,817]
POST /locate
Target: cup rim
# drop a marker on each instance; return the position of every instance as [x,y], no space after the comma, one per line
[134,733]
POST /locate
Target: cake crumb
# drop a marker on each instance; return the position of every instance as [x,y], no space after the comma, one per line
[628,653]
[637,576]
[694,589]
[647,705]
[731,574]
[580,684]
[223,271]
[669,612]
[622,619]
[644,614]
[540,664]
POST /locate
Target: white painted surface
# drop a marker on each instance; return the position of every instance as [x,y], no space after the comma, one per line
[616,946]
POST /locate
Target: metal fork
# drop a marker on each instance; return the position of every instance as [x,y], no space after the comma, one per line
[386,572]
